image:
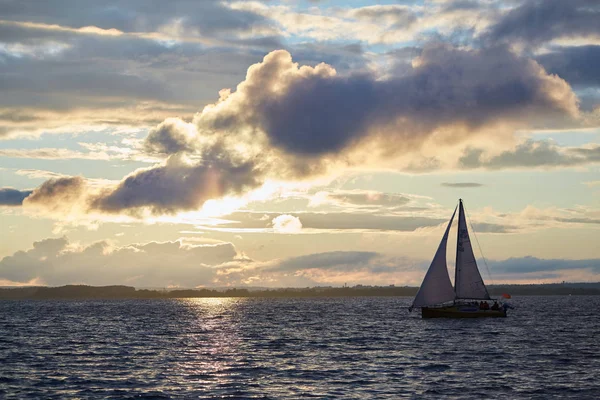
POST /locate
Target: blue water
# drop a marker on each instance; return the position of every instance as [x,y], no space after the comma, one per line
[351,348]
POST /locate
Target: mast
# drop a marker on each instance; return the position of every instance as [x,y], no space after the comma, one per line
[468,283]
[457,264]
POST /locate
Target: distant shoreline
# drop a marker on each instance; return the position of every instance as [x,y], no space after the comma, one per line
[128,292]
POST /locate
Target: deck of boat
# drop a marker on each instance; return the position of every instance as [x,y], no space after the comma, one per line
[460,312]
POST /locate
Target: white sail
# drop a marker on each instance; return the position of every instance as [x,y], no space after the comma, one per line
[436,287]
[468,283]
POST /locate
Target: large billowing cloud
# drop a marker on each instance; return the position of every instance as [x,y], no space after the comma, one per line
[179,185]
[312,111]
[286,121]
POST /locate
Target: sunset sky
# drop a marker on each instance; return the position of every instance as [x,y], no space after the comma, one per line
[296,143]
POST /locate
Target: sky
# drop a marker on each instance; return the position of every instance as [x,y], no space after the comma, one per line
[296,143]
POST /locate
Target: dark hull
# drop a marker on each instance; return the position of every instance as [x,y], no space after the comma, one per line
[461,312]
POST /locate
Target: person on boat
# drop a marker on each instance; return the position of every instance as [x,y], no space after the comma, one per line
[481,305]
[486,306]
[495,306]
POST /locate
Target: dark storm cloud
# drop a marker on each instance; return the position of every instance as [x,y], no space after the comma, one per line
[577,65]
[539,21]
[320,113]
[13,197]
[178,185]
[532,154]
[462,184]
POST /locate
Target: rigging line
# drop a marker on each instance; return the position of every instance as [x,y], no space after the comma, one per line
[479,246]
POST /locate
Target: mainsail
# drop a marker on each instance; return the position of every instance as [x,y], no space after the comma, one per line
[467,279]
[436,287]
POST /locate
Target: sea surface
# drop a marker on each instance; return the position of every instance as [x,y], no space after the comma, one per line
[348,348]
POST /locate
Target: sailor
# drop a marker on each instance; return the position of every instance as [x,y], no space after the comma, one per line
[495,306]
[486,306]
[481,306]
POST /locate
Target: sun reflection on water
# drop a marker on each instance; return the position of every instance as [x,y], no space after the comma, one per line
[213,340]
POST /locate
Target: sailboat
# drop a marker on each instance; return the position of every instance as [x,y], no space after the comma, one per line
[437,298]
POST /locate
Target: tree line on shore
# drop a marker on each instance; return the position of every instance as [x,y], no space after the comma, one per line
[128,292]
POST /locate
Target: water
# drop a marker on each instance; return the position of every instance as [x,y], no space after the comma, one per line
[291,348]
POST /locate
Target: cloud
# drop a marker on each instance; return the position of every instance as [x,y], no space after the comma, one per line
[462,184]
[359,198]
[532,264]
[328,268]
[12,197]
[39,174]
[171,136]
[577,64]
[207,18]
[286,122]
[484,227]
[63,80]
[58,194]
[313,112]
[26,116]
[337,221]
[532,154]
[333,260]
[394,16]
[52,154]
[286,224]
[538,21]
[180,185]
[58,262]
[552,216]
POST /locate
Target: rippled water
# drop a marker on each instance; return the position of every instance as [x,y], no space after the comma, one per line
[291,348]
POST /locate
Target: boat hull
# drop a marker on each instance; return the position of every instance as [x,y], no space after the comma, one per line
[460,312]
